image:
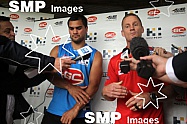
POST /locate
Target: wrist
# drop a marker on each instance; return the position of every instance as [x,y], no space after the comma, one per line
[153,96]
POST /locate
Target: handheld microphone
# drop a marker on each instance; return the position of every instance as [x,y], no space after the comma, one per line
[84,53]
[176,47]
[139,48]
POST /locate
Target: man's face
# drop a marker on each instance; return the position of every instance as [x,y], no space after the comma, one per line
[77,31]
[131,28]
[7,30]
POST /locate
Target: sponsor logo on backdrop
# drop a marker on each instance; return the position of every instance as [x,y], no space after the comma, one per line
[177,11]
[92,20]
[28,30]
[30,19]
[40,41]
[109,53]
[154,33]
[91,37]
[134,12]
[56,39]
[49,92]
[109,36]
[180,100]
[14,17]
[111,18]
[42,25]
[59,23]
[35,91]
[179,31]
[153,14]
[179,120]
[104,74]
[16,30]
[26,43]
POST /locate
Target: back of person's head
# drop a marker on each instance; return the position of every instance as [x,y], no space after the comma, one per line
[4,18]
[131,14]
[76,17]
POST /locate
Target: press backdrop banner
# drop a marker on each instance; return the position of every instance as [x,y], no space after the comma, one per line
[161,29]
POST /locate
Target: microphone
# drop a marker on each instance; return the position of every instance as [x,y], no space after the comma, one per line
[176,47]
[84,53]
[140,48]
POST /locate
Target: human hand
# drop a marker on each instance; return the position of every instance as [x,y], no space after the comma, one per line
[79,94]
[159,63]
[69,115]
[115,90]
[133,63]
[162,52]
[63,63]
[136,103]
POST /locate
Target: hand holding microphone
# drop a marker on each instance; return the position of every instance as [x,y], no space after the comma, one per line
[139,48]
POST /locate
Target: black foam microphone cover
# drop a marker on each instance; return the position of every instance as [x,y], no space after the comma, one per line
[139,47]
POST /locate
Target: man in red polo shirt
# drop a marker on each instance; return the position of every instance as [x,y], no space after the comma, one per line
[122,86]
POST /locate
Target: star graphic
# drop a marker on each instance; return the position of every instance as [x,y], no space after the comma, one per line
[150,102]
[168,14]
[39,59]
[36,119]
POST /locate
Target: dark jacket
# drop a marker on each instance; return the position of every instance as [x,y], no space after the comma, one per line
[13,80]
[14,53]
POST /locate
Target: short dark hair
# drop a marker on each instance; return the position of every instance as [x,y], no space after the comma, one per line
[131,14]
[76,17]
[4,18]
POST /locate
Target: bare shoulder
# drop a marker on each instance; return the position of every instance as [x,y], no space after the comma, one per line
[54,51]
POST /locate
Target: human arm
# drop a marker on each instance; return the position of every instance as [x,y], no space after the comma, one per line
[174,74]
[113,88]
[13,53]
[94,82]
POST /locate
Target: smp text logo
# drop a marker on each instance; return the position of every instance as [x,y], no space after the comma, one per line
[24,6]
[179,31]
[153,13]
[154,33]
[102,117]
[108,54]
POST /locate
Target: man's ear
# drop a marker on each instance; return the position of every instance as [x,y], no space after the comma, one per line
[122,33]
[142,29]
